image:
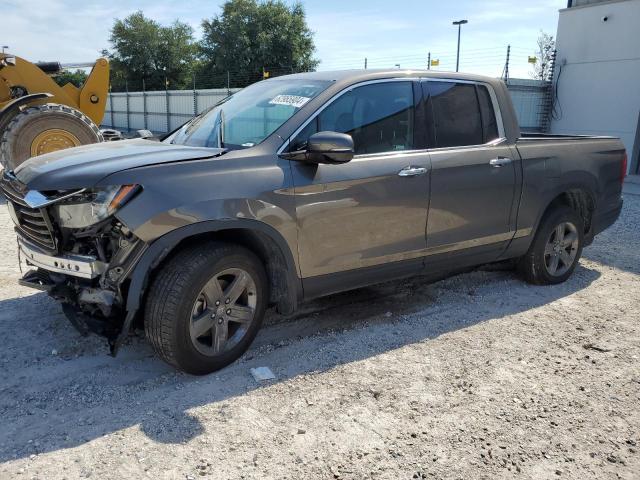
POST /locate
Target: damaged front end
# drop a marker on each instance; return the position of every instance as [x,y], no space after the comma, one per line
[81,253]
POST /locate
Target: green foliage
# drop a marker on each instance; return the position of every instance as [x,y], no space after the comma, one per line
[145,51]
[249,36]
[76,78]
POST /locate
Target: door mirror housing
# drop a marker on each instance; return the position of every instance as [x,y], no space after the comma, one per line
[325,147]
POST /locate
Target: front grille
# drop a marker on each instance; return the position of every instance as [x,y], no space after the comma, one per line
[33,223]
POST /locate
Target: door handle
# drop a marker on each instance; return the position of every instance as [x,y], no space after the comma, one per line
[412,171]
[500,161]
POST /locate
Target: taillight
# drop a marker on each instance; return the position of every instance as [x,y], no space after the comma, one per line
[623,167]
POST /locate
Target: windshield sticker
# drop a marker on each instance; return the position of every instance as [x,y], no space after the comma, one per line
[291,100]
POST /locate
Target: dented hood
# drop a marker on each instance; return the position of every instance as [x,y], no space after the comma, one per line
[83,167]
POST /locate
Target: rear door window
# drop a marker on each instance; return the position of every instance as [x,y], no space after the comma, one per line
[489,123]
[379,117]
[455,114]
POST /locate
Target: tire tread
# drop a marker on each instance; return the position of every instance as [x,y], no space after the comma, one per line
[529,264]
[15,123]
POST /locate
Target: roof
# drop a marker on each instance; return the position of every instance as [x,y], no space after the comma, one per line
[352,76]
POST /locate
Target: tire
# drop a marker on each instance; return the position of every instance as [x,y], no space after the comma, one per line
[178,301]
[4,121]
[43,129]
[537,264]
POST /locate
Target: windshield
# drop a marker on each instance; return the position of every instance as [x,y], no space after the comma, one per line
[249,116]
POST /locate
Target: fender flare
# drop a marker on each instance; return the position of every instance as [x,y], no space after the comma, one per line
[158,250]
[559,190]
[16,104]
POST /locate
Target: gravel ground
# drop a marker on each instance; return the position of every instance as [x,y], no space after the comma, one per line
[476,376]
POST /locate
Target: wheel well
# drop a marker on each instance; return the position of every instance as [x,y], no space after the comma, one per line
[579,200]
[282,292]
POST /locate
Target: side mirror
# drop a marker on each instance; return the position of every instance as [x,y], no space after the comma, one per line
[325,147]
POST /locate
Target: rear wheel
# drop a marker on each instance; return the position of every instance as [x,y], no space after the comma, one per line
[556,248]
[42,129]
[206,306]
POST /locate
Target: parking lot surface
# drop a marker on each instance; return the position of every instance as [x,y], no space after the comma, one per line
[476,376]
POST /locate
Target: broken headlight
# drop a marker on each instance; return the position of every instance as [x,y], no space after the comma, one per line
[93,206]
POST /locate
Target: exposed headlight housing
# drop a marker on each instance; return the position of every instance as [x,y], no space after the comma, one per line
[93,206]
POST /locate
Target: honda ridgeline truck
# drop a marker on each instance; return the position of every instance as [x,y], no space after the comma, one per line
[298,187]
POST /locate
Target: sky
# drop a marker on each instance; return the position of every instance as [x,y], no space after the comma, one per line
[387,33]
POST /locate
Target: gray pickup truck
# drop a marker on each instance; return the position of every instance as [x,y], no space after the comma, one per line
[298,187]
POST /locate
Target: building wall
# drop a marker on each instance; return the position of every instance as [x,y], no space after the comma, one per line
[598,71]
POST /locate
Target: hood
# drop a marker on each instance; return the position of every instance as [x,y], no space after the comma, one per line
[83,167]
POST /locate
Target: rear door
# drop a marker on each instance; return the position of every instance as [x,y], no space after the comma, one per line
[373,210]
[473,175]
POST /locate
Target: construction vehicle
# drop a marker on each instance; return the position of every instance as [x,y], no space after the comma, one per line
[38,116]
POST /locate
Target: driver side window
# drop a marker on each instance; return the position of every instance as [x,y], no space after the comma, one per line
[379,117]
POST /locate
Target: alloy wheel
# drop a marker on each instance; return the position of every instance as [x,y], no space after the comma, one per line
[223,311]
[561,249]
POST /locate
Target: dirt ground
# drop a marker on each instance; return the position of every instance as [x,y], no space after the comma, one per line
[476,376]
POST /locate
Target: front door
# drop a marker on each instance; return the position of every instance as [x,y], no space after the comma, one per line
[372,210]
[473,178]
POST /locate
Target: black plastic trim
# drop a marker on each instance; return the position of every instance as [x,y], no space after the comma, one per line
[162,246]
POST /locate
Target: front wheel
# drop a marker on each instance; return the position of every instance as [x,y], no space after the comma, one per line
[556,248]
[206,306]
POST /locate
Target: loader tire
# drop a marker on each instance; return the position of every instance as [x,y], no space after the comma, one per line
[42,129]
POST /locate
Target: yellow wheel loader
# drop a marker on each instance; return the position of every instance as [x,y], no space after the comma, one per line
[38,116]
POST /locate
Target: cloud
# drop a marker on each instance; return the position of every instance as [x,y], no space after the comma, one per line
[345,31]
[76,31]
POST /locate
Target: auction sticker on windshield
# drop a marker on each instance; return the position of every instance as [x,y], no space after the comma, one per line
[291,100]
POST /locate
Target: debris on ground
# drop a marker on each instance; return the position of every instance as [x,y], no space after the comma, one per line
[260,374]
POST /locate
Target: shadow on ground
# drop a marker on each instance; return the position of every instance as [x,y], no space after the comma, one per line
[51,402]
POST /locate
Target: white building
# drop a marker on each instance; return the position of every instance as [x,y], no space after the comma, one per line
[598,72]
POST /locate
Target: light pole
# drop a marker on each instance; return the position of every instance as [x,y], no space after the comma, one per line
[3,47]
[459,23]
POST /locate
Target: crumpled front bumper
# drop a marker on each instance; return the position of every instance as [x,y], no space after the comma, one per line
[81,266]
[74,280]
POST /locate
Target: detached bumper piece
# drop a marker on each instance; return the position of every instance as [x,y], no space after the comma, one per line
[58,287]
[86,324]
[37,279]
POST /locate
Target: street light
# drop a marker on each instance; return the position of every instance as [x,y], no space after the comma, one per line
[3,47]
[459,23]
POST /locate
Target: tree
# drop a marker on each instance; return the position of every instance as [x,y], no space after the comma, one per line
[144,50]
[544,57]
[249,36]
[76,78]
